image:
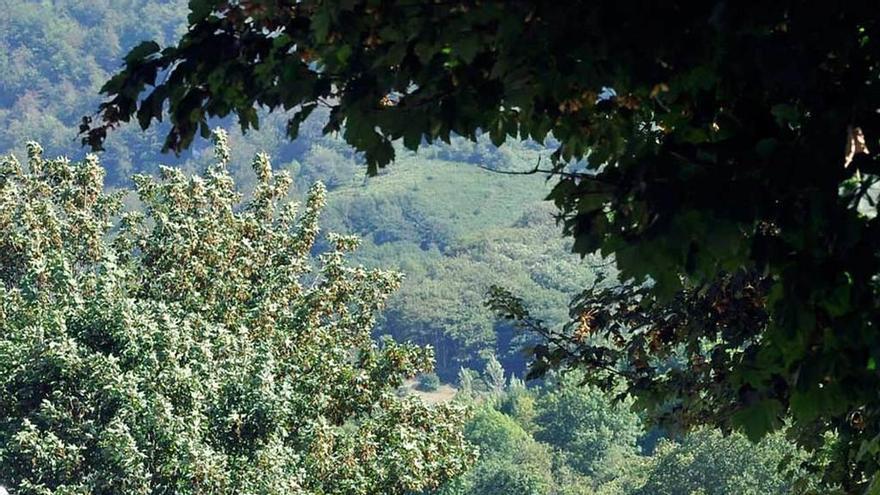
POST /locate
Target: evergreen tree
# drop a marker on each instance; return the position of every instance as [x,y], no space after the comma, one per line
[494,375]
[466,382]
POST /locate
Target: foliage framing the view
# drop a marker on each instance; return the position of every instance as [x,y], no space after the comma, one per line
[193,349]
[725,140]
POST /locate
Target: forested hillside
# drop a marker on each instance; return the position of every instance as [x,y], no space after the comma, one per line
[454,231]
[54,57]
[451,218]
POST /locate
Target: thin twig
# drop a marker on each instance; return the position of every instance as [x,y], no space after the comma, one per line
[536,170]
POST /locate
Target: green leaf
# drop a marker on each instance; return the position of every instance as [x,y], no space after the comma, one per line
[805,405]
[321,24]
[787,116]
[199,10]
[758,419]
[141,52]
[379,155]
[298,118]
[343,53]
[467,48]
[766,147]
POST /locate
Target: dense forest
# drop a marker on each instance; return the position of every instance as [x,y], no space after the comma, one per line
[408,378]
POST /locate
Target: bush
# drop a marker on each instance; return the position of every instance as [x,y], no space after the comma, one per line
[428,382]
[193,349]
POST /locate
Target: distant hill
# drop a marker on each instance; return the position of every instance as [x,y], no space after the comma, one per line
[451,227]
[455,229]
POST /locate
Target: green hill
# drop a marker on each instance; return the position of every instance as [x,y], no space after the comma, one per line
[455,229]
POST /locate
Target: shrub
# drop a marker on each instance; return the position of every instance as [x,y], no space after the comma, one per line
[428,382]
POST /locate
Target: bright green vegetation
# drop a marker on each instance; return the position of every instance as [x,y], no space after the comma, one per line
[566,439]
[193,349]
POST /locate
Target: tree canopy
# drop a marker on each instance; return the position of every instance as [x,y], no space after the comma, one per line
[581,443]
[728,146]
[194,348]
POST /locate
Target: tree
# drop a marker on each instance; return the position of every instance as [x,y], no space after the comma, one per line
[581,430]
[57,54]
[493,376]
[510,460]
[192,349]
[723,141]
[454,231]
[595,434]
[706,462]
[519,403]
[466,382]
[428,382]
